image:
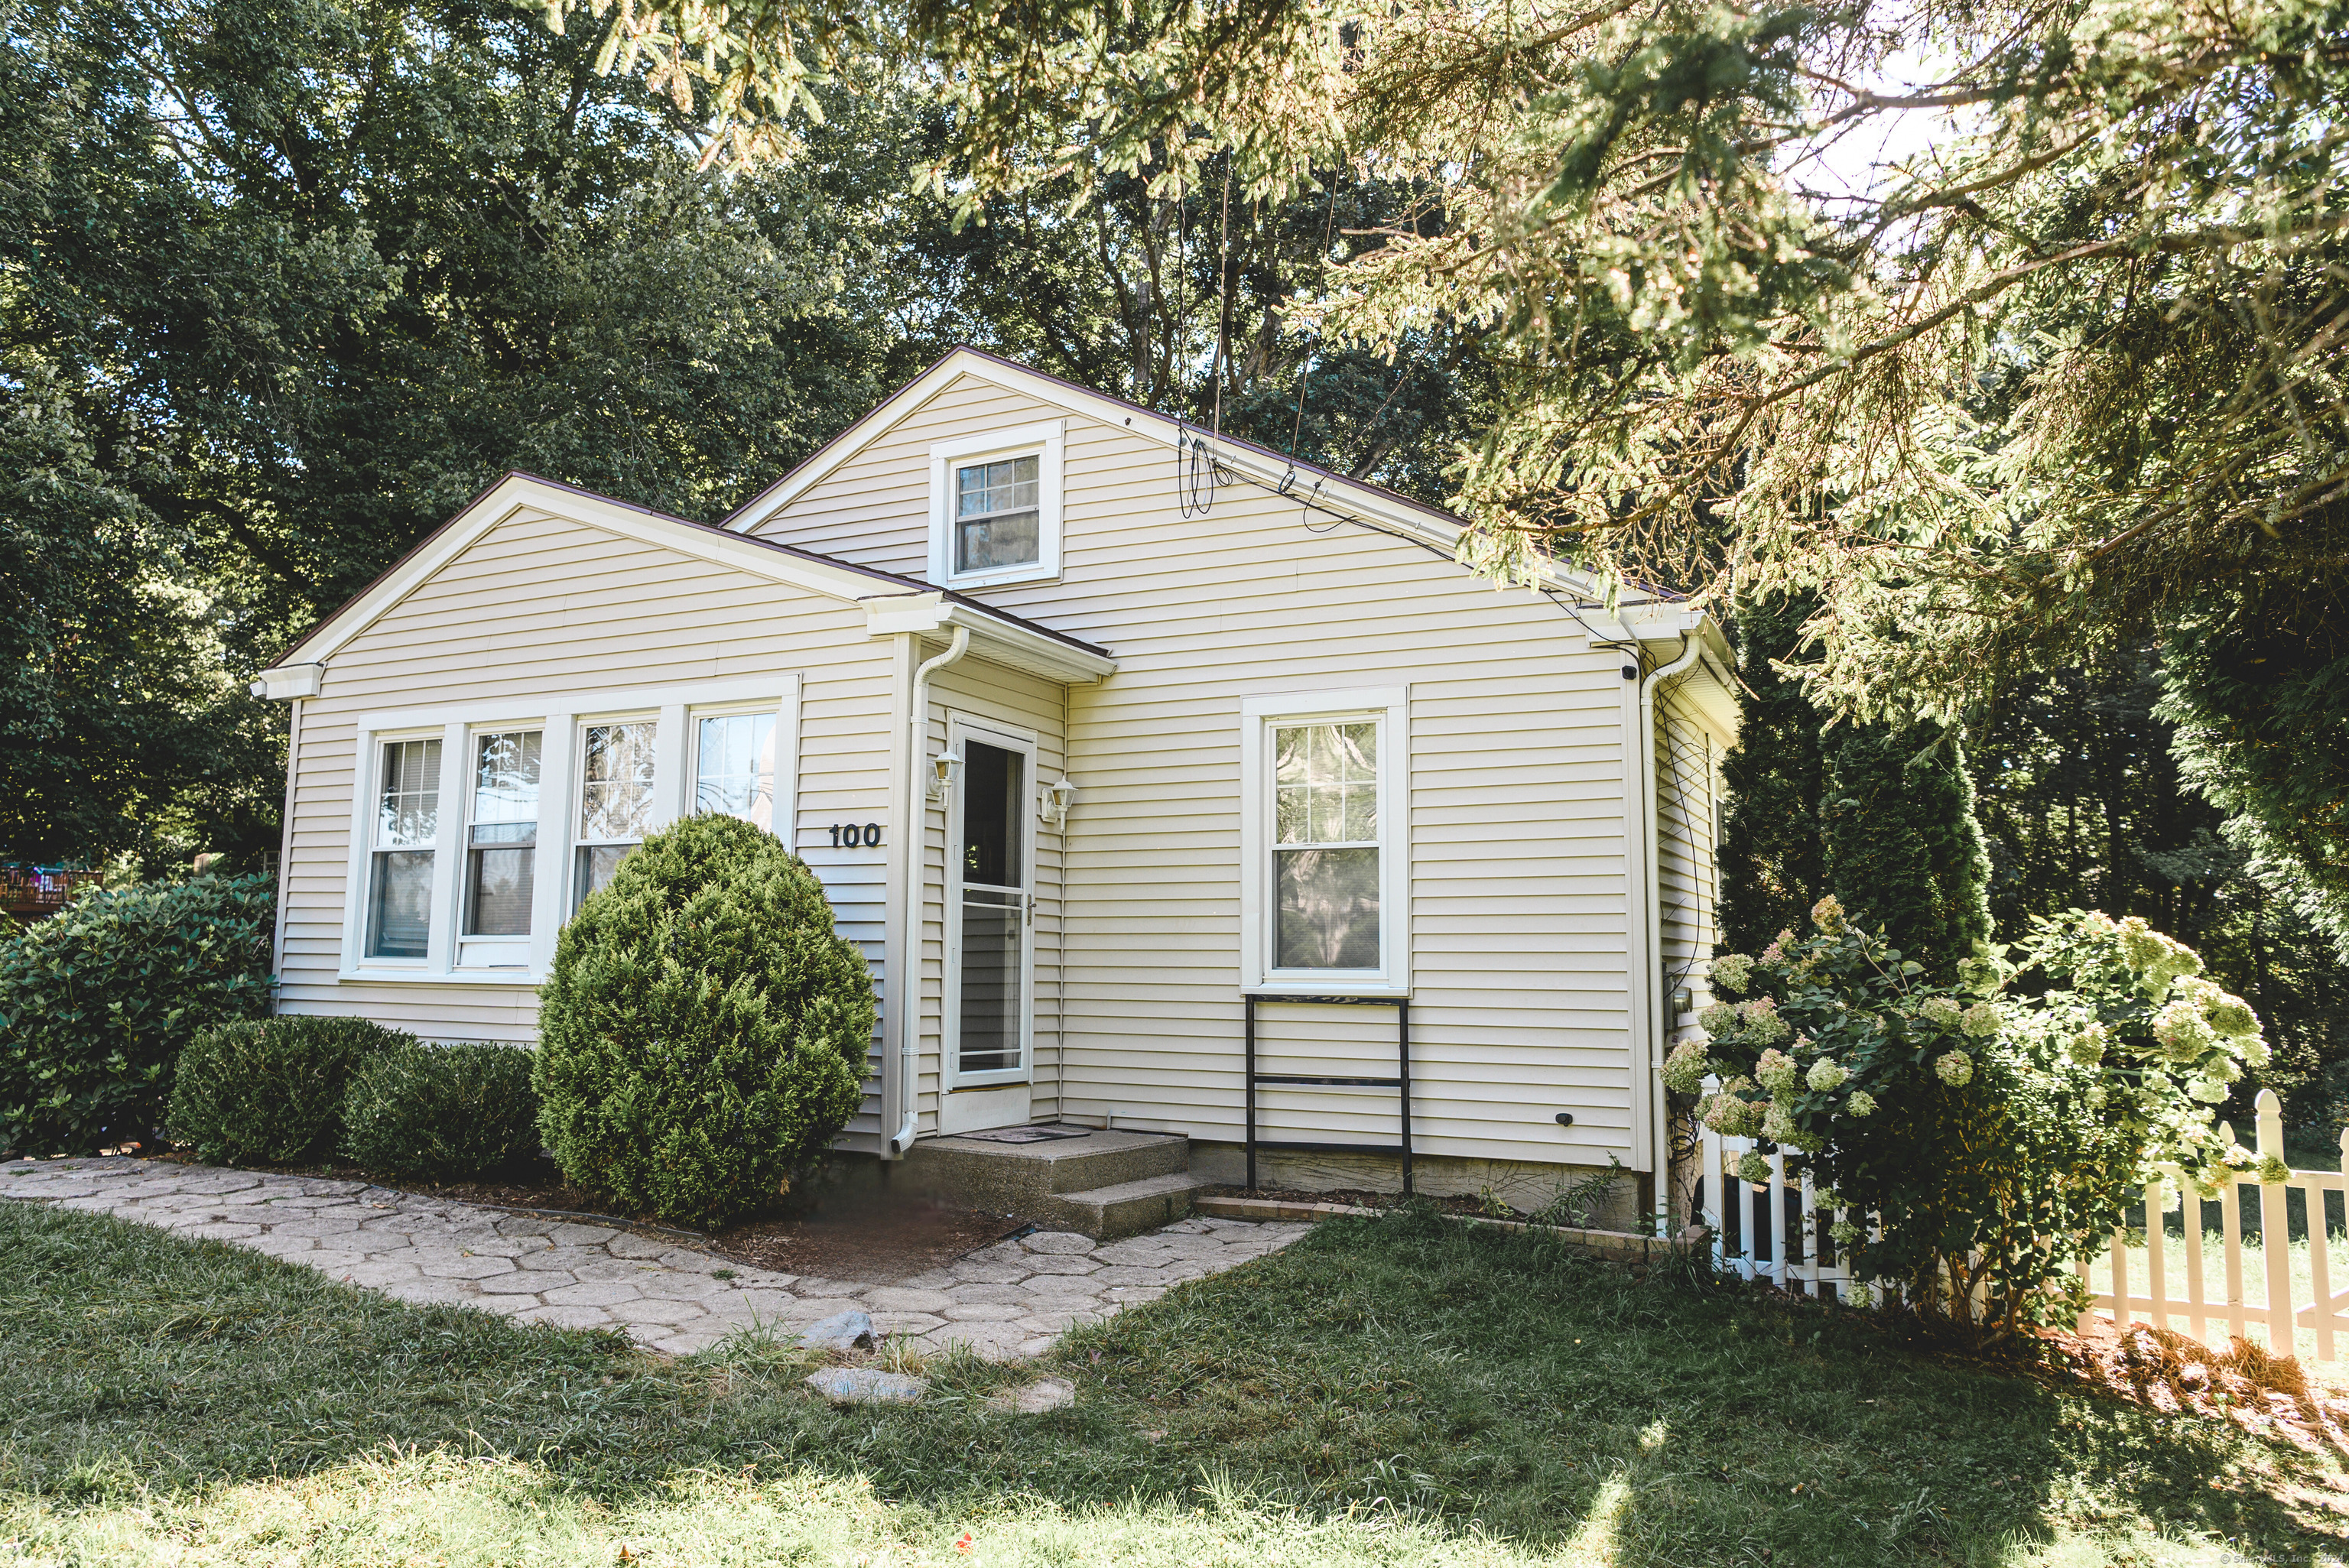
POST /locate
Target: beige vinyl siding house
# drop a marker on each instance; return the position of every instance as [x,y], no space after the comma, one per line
[1196,724]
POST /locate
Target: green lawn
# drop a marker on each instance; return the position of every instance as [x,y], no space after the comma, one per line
[1395,1390]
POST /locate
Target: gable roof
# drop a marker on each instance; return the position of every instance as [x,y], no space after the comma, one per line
[1001,637]
[1391,512]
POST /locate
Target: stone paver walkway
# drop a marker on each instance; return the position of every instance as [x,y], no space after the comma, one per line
[1011,1299]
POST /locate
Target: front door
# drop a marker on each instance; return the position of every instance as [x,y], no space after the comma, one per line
[990,912]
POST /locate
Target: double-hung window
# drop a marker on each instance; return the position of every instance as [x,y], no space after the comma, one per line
[734,766]
[996,508]
[406,826]
[616,801]
[1323,831]
[501,842]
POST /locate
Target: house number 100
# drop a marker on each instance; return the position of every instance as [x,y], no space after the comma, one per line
[849,836]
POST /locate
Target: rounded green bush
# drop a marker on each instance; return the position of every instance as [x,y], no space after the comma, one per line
[98,1002]
[702,1035]
[271,1092]
[446,1113]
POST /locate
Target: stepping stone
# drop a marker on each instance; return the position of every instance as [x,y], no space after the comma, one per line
[1035,1399]
[865,1386]
[842,1332]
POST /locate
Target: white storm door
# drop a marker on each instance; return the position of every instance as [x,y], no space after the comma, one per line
[990,930]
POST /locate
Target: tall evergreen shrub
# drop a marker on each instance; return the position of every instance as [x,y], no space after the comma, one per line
[1772,860]
[98,1002]
[703,1034]
[1903,851]
[1881,817]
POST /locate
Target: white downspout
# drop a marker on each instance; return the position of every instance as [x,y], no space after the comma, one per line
[1651,893]
[917,844]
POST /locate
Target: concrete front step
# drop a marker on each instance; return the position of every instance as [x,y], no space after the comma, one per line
[1126,1209]
[1015,1178]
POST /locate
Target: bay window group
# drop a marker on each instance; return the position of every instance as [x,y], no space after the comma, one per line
[454,815]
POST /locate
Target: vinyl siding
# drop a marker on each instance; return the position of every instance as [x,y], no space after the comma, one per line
[1515,801]
[1688,758]
[546,612]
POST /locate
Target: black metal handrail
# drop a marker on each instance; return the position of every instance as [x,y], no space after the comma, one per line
[1401,1082]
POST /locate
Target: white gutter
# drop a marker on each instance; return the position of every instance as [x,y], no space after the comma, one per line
[918,843]
[1653,922]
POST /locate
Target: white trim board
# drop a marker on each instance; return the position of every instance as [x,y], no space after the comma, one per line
[1047,442]
[1391,706]
[518,495]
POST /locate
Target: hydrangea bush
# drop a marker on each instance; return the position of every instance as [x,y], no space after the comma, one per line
[1995,1130]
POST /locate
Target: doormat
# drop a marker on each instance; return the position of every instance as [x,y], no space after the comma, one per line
[1027,1134]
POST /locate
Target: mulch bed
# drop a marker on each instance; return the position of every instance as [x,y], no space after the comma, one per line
[2266,1395]
[870,1234]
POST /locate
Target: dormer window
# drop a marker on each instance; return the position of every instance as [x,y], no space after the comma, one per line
[995,508]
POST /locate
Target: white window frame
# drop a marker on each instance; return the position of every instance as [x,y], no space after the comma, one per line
[1390,709]
[786,823]
[560,722]
[660,810]
[961,728]
[507,954]
[365,803]
[1045,442]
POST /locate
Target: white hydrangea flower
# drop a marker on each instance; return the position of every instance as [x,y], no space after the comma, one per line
[2153,960]
[2273,1171]
[2184,1034]
[1776,1071]
[1753,1167]
[1763,1024]
[1778,1124]
[1860,1103]
[1938,1010]
[1719,1020]
[1733,971]
[1685,1069]
[1844,1231]
[1827,915]
[1826,1074]
[2087,1047]
[1981,1020]
[1956,1069]
[2209,1090]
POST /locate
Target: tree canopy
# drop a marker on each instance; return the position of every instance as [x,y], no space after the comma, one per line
[282,284]
[2055,370]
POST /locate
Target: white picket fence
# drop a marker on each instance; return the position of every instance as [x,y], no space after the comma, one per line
[2287,1297]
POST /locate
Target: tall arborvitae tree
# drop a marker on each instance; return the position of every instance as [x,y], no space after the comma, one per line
[1771,869]
[1903,852]
[1881,818]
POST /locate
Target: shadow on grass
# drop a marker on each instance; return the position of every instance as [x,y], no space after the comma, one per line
[1399,1369]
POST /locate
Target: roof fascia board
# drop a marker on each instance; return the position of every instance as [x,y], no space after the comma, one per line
[516,493]
[998,642]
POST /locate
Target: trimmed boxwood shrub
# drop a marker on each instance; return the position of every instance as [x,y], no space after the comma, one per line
[272,1093]
[702,1035]
[98,1002]
[446,1113]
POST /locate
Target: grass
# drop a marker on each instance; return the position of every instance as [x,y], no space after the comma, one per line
[1389,1390]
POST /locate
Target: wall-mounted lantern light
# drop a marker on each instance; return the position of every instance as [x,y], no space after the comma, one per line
[1053,801]
[943,768]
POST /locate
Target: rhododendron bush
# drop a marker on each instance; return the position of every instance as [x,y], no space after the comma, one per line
[1995,1131]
